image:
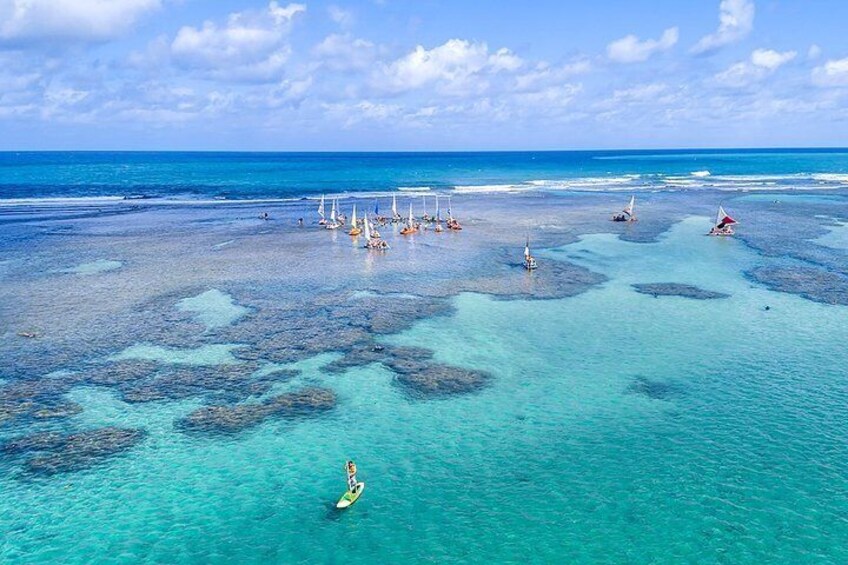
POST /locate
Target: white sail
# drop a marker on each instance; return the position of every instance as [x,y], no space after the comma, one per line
[629,209]
[721,214]
[424,199]
[438,211]
[411,220]
[394,206]
[333,212]
[527,250]
[367,229]
[353,217]
[450,214]
[321,207]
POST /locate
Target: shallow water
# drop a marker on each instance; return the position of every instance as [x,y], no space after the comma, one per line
[615,427]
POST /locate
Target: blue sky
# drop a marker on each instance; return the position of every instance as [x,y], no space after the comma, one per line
[425,75]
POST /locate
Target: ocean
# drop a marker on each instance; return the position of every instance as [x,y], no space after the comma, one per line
[183,381]
[243,176]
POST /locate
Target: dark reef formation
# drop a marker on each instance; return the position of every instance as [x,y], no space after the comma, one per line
[676,289]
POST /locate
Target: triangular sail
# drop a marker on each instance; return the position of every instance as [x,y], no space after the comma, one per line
[527,248]
[438,211]
[723,219]
[394,206]
[629,209]
[321,207]
[411,221]
[450,214]
[424,200]
[333,212]
[353,217]
[376,208]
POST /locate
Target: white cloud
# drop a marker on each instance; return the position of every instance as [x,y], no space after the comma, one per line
[450,65]
[53,21]
[762,63]
[832,73]
[250,46]
[505,60]
[630,49]
[342,52]
[544,74]
[814,52]
[736,20]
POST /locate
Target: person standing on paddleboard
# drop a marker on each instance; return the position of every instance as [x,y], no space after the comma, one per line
[350,467]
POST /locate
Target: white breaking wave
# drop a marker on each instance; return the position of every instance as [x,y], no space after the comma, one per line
[414,188]
[700,174]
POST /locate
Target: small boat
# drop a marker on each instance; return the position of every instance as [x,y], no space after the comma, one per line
[372,238]
[395,216]
[354,229]
[333,224]
[452,224]
[426,217]
[723,224]
[410,225]
[351,496]
[627,214]
[529,260]
[323,220]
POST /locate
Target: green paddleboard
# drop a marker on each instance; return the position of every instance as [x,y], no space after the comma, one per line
[349,497]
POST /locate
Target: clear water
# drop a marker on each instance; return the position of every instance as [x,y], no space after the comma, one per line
[617,427]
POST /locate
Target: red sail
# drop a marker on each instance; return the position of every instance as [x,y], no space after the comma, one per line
[726,221]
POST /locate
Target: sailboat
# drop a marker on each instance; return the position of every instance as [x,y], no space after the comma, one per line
[452,223]
[354,229]
[426,217]
[723,223]
[529,260]
[438,227]
[627,214]
[372,238]
[410,223]
[395,215]
[322,221]
[334,224]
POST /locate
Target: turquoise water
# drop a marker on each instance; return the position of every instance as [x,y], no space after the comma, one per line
[27,175]
[617,427]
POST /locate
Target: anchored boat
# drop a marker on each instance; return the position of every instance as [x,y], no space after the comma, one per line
[627,214]
[723,224]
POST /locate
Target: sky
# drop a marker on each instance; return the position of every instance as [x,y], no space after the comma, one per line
[376,75]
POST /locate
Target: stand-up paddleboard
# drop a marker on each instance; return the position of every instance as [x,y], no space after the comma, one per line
[349,497]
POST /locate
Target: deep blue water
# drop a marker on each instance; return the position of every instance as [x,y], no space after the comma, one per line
[291,175]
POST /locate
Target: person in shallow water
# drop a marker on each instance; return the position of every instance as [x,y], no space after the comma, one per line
[350,467]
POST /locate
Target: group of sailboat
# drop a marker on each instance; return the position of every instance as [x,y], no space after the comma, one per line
[723,225]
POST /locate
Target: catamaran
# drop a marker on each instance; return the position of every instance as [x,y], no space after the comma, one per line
[723,224]
[410,223]
[354,229]
[322,221]
[627,214]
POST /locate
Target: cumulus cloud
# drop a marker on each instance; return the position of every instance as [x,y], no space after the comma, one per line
[736,20]
[251,46]
[833,73]
[343,52]
[341,16]
[761,63]
[450,66]
[57,21]
[630,49]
